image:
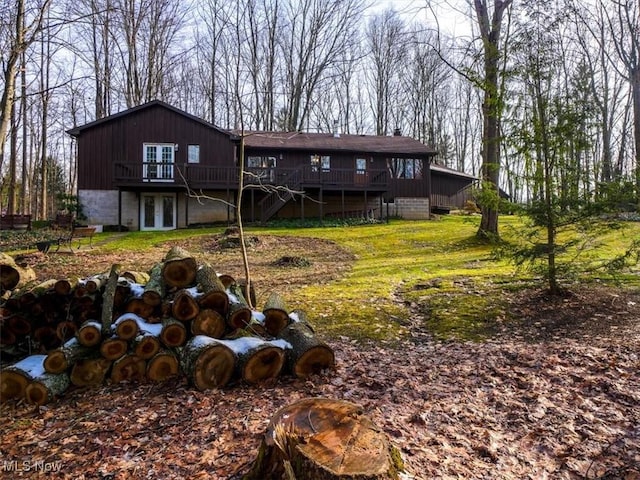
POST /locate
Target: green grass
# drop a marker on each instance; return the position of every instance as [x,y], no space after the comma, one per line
[438,267]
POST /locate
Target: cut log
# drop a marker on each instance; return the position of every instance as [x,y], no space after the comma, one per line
[141,278]
[46,387]
[179,268]
[126,326]
[184,307]
[13,276]
[154,287]
[174,333]
[108,300]
[113,348]
[66,330]
[89,372]
[226,280]
[96,283]
[146,345]
[239,311]
[276,314]
[63,287]
[15,378]
[308,355]
[139,307]
[215,295]
[46,337]
[129,367]
[210,323]
[258,360]
[208,363]
[163,366]
[18,325]
[325,439]
[60,360]
[89,334]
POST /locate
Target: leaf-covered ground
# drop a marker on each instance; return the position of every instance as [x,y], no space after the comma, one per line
[554,395]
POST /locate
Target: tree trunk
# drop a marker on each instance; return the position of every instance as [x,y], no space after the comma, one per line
[325,439]
[89,334]
[179,268]
[174,333]
[60,360]
[14,379]
[129,367]
[276,316]
[44,388]
[184,306]
[210,323]
[208,363]
[89,372]
[162,366]
[308,354]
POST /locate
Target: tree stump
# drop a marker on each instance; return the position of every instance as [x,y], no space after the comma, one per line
[324,439]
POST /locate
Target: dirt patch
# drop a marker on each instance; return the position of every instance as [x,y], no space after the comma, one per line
[327,260]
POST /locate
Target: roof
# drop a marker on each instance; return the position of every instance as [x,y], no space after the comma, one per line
[450,171]
[154,103]
[343,143]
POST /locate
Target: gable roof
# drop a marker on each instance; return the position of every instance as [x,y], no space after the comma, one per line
[435,167]
[154,103]
[327,142]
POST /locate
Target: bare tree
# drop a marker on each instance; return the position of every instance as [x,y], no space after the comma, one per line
[23,28]
[490,25]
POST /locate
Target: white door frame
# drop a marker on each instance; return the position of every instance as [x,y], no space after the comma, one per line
[157,203]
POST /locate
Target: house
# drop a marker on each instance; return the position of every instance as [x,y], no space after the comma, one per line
[155,167]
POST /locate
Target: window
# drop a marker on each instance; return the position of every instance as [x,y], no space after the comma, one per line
[361,166]
[407,168]
[261,162]
[158,162]
[320,161]
[193,153]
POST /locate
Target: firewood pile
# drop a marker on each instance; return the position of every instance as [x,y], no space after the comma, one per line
[180,318]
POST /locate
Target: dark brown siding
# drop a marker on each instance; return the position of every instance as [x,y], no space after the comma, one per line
[121,141]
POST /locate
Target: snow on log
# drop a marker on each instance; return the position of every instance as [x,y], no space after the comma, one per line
[44,388]
[15,378]
[89,334]
[276,315]
[63,358]
[208,363]
[258,360]
[162,366]
[129,367]
[308,355]
[325,439]
[179,268]
[96,283]
[126,326]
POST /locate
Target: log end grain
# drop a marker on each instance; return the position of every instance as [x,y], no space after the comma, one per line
[263,365]
[213,368]
[313,361]
[162,366]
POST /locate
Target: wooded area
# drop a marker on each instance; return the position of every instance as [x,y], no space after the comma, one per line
[557,82]
[182,319]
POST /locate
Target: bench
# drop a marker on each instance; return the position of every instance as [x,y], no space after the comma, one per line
[15,222]
[63,221]
[77,233]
